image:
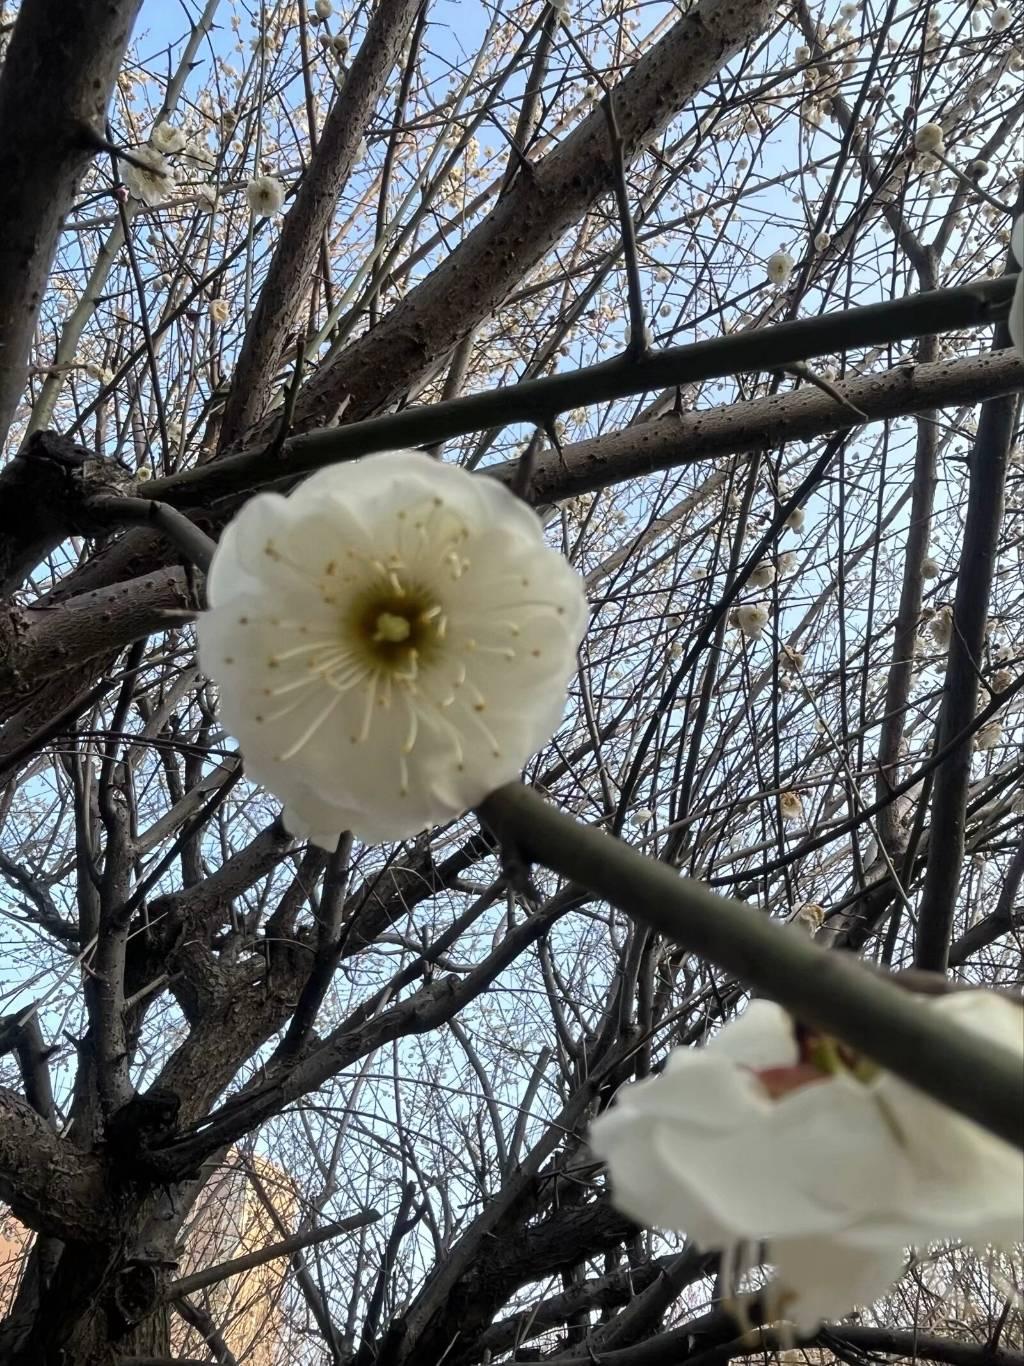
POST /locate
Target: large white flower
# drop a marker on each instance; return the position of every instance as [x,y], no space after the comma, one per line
[392,642]
[1016,320]
[751,1138]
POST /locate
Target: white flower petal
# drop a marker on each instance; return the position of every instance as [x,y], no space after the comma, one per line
[824,1278]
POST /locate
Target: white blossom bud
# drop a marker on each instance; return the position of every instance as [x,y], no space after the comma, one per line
[219,311]
[1001,19]
[801,54]
[795,520]
[929,568]
[978,169]
[786,562]
[822,241]
[642,817]
[323,9]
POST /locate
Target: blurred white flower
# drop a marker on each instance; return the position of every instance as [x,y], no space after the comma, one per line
[765,1134]
[822,241]
[786,561]
[1001,18]
[1002,679]
[198,151]
[791,806]
[929,138]
[929,568]
[989,736]
[751,619]
[1016,319]
[643,817]
[810,917]
[265,195]
[792,660]
[167,139]
[220,311]
[802,54]
[174,433]
[392,642]
[151,182]
[323,9]
[762,574]
[795,520]
[941,626]
[779,267]
[978,169]
[207,197]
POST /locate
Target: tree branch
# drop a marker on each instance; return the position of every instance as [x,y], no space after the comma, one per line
[827,990]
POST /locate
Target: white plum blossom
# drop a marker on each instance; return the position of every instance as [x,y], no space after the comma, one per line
[779,267]
[941,626]
[750,619]
[762,574]
[929,138]
[791,659]
[220,311]
[786,562]
[151,181]
[1001,680]
[323,9]
[795,520]
[767,1134]
[643,817]
[391,641]
[1016,319]
[802,54]
[1001,19]
[791,806]
[822,241]
[207,197]
[168,139]
[265,195]
[929,568]
[810,917]
[989,736]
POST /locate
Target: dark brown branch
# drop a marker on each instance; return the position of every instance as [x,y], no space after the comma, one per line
[310,215]
[56,80]
[828,990]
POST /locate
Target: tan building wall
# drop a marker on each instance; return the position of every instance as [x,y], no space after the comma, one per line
[229,1219]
